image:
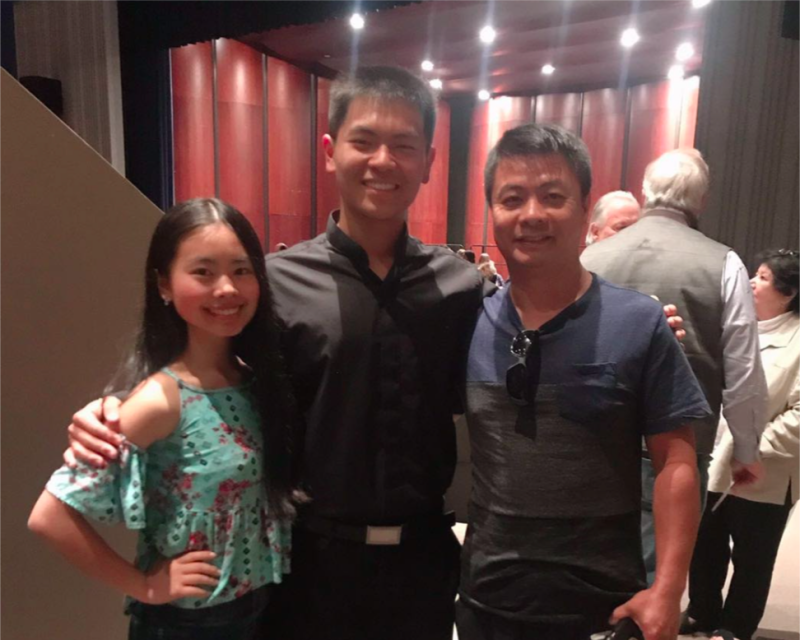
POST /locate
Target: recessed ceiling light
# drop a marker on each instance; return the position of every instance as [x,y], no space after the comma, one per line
[629,37]
[675,72]
[327,55]
[436,83]
[427,65]
[548,69]
[684,52]
[483,94]
[700,3]
[357,21]
[488,34]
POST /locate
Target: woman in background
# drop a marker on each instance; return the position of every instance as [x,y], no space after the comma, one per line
[753,516]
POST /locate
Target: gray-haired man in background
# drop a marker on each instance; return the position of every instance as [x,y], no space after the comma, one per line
[612,213]
[665,255]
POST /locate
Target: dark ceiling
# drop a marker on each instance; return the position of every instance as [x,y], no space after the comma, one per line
[581,38]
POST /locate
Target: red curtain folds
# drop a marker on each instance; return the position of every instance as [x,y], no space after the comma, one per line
[192,122]
[240,119]
[427,217]
[289,105]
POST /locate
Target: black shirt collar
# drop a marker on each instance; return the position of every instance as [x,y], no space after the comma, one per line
[345,245]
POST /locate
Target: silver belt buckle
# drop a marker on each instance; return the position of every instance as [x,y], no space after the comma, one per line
[384,535]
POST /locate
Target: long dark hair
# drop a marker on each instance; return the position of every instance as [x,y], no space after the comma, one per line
[162,338]
[785,273]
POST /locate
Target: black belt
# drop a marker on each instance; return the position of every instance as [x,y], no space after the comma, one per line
[377,535]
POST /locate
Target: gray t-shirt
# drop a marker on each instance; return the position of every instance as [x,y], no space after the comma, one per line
[554,515]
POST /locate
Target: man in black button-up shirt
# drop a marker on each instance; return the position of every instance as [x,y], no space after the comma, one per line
[377,327]
[375,364]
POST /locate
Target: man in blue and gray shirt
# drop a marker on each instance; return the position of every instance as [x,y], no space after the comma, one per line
[566,373]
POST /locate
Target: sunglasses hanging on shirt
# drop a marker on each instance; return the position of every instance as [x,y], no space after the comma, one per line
[523,377]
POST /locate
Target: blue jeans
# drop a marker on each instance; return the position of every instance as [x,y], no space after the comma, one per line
[648,521]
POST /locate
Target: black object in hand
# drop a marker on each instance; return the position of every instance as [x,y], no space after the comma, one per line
[627,629]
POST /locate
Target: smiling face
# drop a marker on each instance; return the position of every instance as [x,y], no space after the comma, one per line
[380,157]
[211,282]
[539,215]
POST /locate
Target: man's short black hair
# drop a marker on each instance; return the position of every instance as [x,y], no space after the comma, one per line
[383,83]
[540,139]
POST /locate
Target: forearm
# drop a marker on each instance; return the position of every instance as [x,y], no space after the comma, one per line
[745,388]
[676,507]
[745,422]
[74,538]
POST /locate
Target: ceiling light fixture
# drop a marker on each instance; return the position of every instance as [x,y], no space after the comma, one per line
[484,95]
[675,72]
[700,3]
[436,83]
[488,34]
[684,52]
[427,65]
[629,37]
[548,69]
[357,21]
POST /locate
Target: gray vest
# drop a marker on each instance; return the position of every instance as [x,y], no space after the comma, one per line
[663,257]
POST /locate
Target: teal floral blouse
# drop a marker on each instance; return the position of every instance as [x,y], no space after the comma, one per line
[201,488]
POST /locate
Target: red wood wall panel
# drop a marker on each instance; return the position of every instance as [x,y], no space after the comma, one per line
[427,216]
[691,93]
[489,121]
[654,121]
[327,191]
[563,109]
[479,146]
[193,122]
[604,134]
[240,103]
[289,131]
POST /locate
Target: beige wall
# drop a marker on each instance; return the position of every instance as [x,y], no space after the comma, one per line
[74,238]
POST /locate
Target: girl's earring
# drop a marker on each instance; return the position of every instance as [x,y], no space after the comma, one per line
[166,302]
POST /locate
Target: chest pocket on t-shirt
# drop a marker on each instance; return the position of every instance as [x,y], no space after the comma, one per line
[592,395]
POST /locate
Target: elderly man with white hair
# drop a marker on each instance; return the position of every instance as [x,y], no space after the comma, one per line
[612,213]
[665,255]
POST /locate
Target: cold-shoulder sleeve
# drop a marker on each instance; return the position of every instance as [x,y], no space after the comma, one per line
[111,495]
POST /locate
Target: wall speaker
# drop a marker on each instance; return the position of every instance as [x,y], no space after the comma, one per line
[47,91]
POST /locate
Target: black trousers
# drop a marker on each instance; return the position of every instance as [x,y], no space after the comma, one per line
[475,624]
[343,590]
[756,529]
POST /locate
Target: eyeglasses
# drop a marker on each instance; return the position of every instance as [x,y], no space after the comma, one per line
[518,379]
[788,252]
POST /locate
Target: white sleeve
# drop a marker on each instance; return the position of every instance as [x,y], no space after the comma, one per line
[745,392]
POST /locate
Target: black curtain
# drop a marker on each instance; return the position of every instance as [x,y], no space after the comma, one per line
[8,54]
